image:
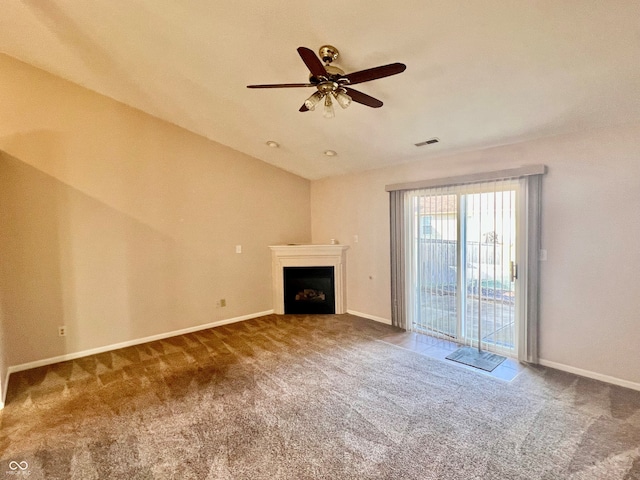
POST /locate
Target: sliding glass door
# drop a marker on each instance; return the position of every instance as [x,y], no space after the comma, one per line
[462,263]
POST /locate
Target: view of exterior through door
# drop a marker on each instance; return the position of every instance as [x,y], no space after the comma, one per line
[475,226]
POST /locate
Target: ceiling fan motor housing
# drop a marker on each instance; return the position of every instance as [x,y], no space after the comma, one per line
[328,54]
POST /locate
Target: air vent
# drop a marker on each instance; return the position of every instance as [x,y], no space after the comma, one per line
[428,142]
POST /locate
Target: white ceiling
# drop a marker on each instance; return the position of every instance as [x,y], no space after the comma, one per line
[479,73]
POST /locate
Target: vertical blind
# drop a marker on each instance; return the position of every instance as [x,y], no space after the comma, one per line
[460,258]
[442,224]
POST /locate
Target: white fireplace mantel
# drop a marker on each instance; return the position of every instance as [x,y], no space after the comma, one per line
[309,256]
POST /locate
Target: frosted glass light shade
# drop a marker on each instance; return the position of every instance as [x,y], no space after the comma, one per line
[342,98]
[313,100]
[328,107]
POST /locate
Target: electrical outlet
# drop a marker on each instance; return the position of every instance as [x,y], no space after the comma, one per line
[238,248]
[62,331]
[223,303]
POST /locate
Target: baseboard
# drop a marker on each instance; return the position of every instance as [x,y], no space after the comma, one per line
[590,374]
[129,343]
[5,385]
[370,317]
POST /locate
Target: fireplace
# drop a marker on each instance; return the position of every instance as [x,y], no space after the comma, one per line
[309,290]
[313,278]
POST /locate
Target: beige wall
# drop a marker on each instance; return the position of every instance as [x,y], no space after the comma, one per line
[3,353]
[121,226]
[590,297]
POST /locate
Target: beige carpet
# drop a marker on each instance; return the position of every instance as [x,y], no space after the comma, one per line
[309,397]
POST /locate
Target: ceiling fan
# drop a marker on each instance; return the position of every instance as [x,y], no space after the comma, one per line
[330,81]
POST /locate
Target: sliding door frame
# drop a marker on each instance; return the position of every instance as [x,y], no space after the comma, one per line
[527,234]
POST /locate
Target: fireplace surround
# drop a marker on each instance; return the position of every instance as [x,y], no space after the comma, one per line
[309,256]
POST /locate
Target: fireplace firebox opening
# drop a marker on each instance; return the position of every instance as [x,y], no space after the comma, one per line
[309,290]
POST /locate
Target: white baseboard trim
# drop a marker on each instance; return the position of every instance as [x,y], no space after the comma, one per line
[589,374]
[129,343]
[4,394]
[4,388]
[370,317]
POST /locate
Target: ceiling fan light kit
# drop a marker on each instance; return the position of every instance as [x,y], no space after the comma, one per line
[331,81]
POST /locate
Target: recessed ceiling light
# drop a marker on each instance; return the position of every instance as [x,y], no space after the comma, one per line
[330,153]
[273,144]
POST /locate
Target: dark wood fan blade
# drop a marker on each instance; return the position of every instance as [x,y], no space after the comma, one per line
[312,62]
[375,73]
[303,108]
[282,85]
[363,98]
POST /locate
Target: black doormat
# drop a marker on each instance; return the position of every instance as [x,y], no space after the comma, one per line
[471,356]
